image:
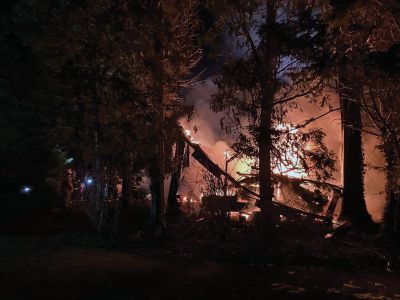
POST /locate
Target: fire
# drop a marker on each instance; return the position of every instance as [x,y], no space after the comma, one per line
[240,216]
[227,155]
[291,168]
[244,166]
[245,215]
[239,166]
[191,138]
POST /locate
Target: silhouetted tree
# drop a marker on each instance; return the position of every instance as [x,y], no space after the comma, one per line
[171,54]
[360,32]
[344,21]
[270,68]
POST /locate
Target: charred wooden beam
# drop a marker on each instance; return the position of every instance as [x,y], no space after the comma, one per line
[207,163]
[216,170]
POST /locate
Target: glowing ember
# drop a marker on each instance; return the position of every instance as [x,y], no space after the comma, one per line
[246,216]
[220,192]
[189,135]
[240,216]
[187,132]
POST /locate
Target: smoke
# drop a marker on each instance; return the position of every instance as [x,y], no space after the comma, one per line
[375,177]
[215,142]
[207,122]
[329,123]
[205,128]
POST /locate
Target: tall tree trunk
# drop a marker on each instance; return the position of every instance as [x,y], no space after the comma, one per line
[353,208]
[157,176]
[173,204]
[157,172]
[264,138]
[158,203]
[391,215]
[265,167]
[98,206]
[126,196]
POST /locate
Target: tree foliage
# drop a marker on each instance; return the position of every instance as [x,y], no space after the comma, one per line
[273,63]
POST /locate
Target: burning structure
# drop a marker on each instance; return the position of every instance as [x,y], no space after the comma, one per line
[294,195]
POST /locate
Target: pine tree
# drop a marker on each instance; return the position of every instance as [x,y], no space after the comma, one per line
[172,53]
[272,67]
[358,30]
[116,73]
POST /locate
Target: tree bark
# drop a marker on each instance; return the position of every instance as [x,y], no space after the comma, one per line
[353,208]
[126,196]
[391,215]
[157,168]
[173,204]
[157,198]
[265,166]
[264,138]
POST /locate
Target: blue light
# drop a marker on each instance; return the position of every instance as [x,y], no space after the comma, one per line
[69,160]
[89,181]
[26,189]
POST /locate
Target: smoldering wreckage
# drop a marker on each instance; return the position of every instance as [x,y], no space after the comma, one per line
[233,199]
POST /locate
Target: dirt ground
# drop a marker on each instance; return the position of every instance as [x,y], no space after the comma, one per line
[69,263]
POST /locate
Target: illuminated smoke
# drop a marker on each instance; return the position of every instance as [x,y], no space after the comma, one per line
[215,142]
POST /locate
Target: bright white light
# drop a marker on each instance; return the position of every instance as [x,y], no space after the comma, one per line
[69,160]
[246,216]
[89,181]
[190,137]
[187,132]
[226,155]
[26,189]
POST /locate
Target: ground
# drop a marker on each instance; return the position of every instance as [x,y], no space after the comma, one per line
[55,258]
